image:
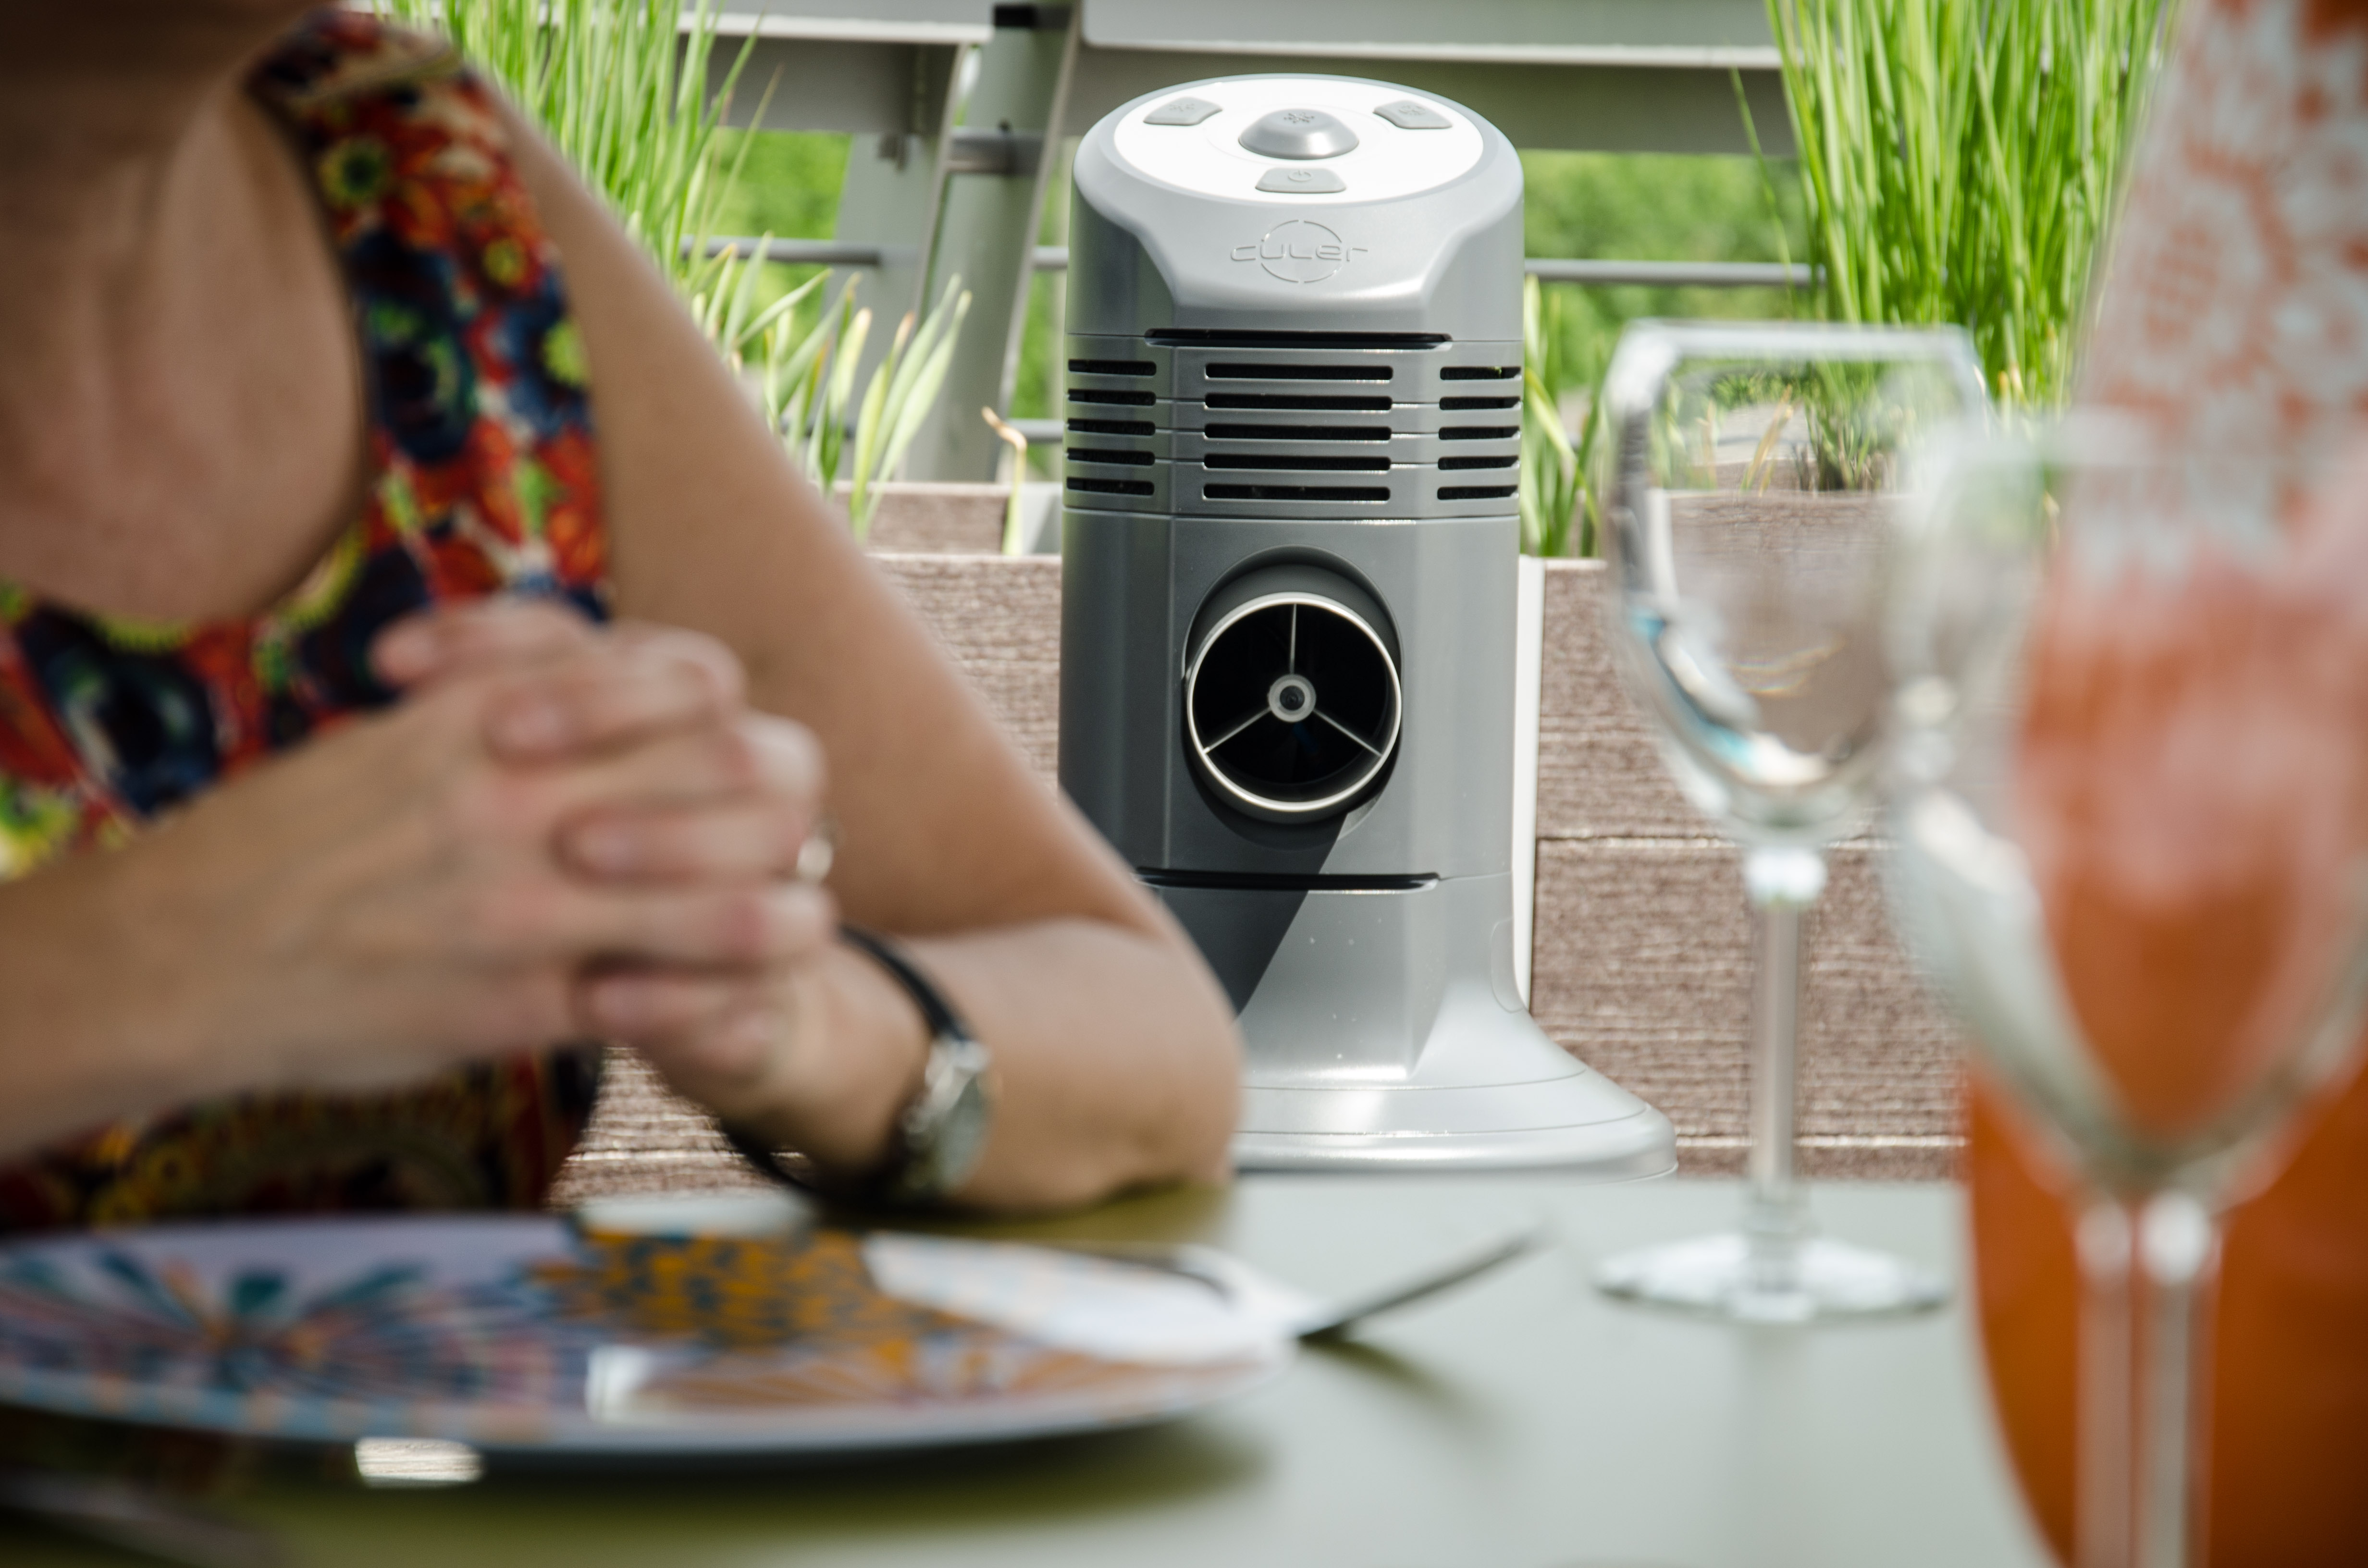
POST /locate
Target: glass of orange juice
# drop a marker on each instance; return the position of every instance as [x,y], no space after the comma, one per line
[2131,806]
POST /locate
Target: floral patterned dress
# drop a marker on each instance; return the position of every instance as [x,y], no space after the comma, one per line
[481,482]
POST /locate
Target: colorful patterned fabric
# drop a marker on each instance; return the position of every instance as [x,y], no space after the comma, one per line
[481,482]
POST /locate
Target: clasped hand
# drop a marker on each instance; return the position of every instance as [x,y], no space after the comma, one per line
[560,832]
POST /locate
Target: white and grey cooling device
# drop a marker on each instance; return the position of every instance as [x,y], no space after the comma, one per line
[1287,638]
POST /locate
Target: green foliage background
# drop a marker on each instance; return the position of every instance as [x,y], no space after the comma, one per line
[1597,205]
[1656,207]
[789,188]
[1962,159]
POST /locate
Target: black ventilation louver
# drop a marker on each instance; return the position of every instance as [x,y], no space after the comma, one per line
[1240,423]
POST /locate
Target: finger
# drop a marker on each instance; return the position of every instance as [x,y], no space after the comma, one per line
[712,1037]
[639,1005]
[448,639]
[732,841]
[622,690]
[733,927]
[475,635]
[726,1053]
[644,637]
[599,702]
[757,758]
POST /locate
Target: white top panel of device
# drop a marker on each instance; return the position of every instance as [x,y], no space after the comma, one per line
[1388,161]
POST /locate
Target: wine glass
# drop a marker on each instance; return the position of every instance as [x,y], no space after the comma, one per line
[1755,472]
[2132,820]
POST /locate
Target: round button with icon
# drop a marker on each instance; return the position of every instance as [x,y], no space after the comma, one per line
[1299,134]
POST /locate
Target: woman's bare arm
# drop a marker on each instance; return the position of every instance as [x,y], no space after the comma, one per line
[1114,1049]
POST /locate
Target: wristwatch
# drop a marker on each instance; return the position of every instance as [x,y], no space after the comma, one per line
[941,1132]
[938,1138]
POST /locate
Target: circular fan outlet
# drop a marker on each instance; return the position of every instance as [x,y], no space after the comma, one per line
[1292,704]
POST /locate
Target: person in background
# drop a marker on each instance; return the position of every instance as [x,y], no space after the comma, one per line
[419,661]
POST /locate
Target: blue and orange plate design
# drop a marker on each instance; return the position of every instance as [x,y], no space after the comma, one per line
[533,1334]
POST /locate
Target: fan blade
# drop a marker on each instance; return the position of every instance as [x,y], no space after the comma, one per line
[1348,731]
[1237,729]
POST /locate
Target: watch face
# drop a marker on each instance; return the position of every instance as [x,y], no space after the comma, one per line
[962,1138]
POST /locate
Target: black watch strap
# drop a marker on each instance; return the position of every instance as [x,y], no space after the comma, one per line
[936,1011]
[940,1131]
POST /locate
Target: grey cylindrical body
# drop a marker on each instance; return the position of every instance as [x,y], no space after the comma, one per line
[1292,444]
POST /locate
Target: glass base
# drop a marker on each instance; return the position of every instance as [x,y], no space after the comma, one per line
[1771,1279]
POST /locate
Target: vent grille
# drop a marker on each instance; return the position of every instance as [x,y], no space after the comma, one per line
[1277,459]
[1316,404]
[1299,372]
[1293,492]
[1185,338]
[1280,431]
[1292,425]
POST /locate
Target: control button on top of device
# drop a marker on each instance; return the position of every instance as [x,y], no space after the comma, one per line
[1307,182]
[1408,115]
[1299,134]
[1181,111]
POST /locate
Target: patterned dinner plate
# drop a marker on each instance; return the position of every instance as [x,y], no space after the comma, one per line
[526,1332]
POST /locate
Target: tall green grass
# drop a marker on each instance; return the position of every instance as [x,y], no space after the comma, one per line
[608,84]
[1657,207]
[1558,511]
[619,87]
[1961,161]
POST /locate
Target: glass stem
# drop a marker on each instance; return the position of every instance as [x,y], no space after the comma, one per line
[2101,1457]
[2178,1246]
[1780,883]
[2145,1267]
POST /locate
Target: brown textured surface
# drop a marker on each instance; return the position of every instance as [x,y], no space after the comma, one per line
[1639,961]
[1642,966]
[958,520]
[1598,773]
[645,1138]
[1000,618]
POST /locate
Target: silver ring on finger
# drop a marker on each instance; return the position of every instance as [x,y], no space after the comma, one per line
[818,852]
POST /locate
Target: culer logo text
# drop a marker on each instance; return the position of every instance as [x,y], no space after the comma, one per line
[1300,252]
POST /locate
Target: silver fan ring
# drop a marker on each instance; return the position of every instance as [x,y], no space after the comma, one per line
[1380,747]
